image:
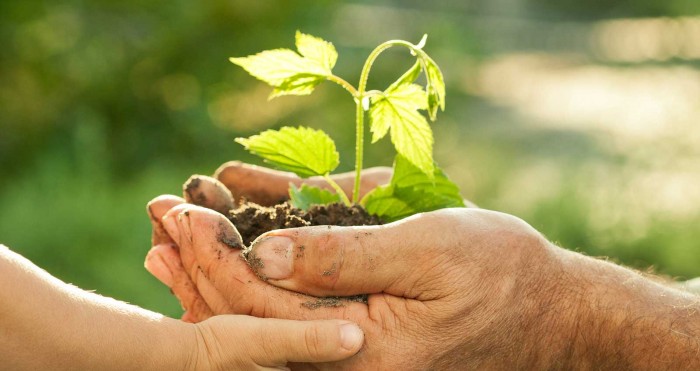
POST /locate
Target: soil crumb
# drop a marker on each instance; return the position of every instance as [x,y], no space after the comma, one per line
[252,220]
[334,301]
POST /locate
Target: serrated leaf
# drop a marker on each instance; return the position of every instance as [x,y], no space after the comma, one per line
[435,86]
[317,49]
[382,202]
[410,182]
[381,116]
[407,78]
[279,66]
[411,191]
[296,86]
[291,73]
[410,132]
[307,195]
[304,151]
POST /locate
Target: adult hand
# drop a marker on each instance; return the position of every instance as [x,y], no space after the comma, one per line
[269,187]
[455,288]
[435,302]
[232,182]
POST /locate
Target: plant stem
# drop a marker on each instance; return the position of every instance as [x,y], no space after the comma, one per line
[337,189]
[346,85]
[360,113]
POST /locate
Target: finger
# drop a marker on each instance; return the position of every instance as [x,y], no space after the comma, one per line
[182,237]
[210,250]
[163,261]
[156,208]
[277,342]
[402,258]
[370,179]
[269,187]
[257,184]
[208,192]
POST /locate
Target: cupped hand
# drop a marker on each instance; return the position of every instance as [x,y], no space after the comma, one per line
[232,182]
[455,288]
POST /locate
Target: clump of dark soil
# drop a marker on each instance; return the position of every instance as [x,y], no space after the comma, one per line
[252,220]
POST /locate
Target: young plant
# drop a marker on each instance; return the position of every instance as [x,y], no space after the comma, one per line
[417,184]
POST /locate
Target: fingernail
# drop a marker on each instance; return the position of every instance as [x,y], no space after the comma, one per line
[272,257]
[157,267]
[351,336]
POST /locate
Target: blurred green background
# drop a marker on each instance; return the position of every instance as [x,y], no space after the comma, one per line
[578,116]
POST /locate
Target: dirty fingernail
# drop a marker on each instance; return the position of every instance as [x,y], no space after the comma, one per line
[157,267]
[351,336]
[272,257]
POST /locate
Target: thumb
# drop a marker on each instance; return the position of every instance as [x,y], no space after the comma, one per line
[398,258]
[274,342]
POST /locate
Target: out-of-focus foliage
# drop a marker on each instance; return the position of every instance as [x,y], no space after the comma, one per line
[579,117]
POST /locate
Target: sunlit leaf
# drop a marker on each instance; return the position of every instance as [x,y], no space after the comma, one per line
[396,109]
[382,202]
[317,49]
[407,78]
[435,86]
[306,195]
[304,151]
[291,73]
[411,191]
[296,86]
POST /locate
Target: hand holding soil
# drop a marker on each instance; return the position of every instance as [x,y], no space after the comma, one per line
[242,182]
[454,288]
[419,285]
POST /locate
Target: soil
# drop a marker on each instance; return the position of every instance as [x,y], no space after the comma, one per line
[334,301]
[252,220]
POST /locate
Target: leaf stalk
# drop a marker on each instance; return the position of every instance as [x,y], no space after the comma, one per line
[337,189]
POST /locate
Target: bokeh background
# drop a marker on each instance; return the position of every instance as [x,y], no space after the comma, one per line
[581,117]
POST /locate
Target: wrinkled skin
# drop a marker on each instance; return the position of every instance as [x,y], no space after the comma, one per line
[446,287]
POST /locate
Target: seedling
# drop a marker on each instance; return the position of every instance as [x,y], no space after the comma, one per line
[417,184]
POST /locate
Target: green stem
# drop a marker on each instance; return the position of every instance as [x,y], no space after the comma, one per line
[337,189]
[346,85]
[360,112]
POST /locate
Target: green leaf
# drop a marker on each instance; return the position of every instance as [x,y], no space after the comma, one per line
[288,72]
[411,191]
[407,78]
[382,202]
[411,135]
[307,195]
[304,151]
[296,86]
[410,182]
[317,49]
[435,86]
